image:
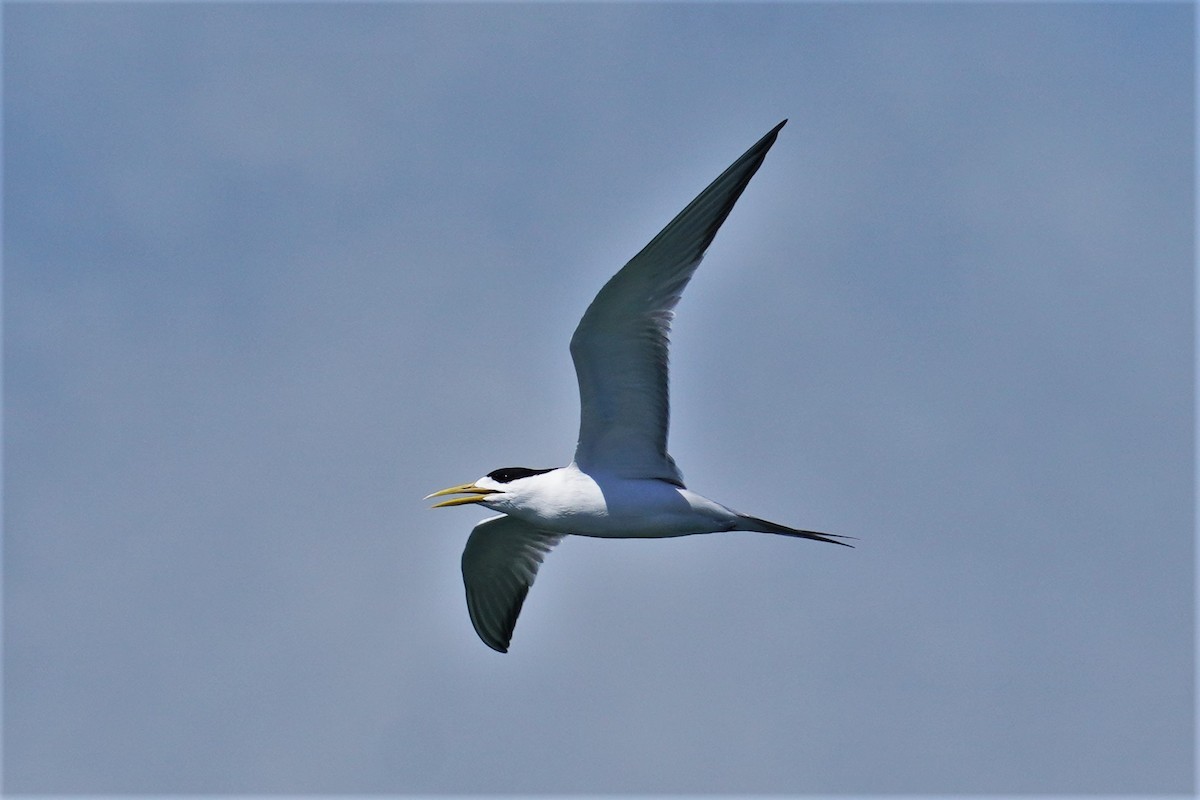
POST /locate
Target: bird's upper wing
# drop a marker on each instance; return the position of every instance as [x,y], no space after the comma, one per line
[498,565]
[620,346]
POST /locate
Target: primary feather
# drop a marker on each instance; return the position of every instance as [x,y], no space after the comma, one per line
[620,346]
[498,566]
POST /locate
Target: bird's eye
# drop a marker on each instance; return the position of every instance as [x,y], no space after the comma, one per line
[509,474]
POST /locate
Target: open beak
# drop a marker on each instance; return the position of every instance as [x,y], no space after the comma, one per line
[474,494]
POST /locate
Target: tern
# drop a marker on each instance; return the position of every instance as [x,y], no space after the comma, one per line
[622,483]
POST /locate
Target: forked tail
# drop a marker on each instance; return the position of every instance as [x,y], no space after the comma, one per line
[749,523]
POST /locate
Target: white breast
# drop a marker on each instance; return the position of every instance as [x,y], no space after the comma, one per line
[571,501]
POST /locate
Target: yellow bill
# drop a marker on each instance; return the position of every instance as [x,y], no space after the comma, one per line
[474,494]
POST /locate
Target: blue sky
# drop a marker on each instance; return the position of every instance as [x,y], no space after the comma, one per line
[274,272]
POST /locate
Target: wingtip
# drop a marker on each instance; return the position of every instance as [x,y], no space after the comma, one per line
[768,139]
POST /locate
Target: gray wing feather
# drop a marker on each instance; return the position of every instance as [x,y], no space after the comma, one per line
[498,565]
[620,346]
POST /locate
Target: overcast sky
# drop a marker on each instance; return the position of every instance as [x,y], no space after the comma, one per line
[274,272]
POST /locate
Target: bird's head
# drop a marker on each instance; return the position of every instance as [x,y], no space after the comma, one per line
[496,490]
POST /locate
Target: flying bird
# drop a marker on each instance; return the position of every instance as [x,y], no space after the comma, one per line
[622,483]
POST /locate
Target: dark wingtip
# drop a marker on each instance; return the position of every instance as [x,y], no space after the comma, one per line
[769,138]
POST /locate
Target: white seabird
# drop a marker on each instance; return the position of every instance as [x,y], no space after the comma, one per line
[622,482]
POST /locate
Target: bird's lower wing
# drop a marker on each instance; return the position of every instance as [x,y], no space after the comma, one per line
[498,565]
[620,346]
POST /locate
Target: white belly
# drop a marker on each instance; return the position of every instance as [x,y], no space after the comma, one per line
[623,509]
